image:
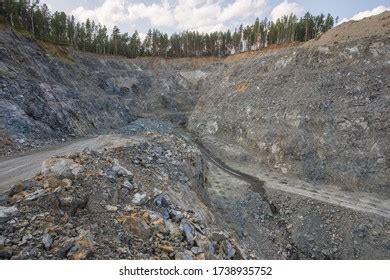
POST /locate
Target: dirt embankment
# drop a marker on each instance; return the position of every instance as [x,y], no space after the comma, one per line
[370,27]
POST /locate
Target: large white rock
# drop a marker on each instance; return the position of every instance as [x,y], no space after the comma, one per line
[7,213]
[140,199]
[61,167]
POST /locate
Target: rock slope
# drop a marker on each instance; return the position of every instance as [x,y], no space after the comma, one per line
[319,111]
[51,92]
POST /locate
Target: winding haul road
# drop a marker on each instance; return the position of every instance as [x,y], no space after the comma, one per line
[24,167]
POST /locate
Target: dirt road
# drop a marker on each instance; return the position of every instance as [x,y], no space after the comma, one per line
[24,167]
[360,201]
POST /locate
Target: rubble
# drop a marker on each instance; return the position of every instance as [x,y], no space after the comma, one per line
[61,215]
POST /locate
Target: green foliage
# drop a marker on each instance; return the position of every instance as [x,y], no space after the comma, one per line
[37,20]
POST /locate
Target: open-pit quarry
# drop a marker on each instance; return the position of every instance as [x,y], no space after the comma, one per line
[281,153]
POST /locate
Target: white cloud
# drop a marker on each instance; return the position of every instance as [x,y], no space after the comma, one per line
[158,15]
[376,11]
[201,15]
[285,9]
[110,13]
[241,8]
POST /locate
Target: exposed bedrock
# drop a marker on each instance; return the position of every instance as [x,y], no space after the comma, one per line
[320,112]
[49,91]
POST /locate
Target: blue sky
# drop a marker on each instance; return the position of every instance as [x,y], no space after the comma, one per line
[205,15]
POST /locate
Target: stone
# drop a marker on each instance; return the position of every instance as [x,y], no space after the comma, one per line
[82,246]
[111,208]
[228,249]
[61,168]
[127,185]
[72,204]
[184,255]
[137,225]
[21,186]
[35,195]
[47,241]
[200,257]
[172,228]
[140,199]
[7,213]
[196,250]
[120,171]
[165,214]
[207,247]
[188,232]
[162,201]
[167,249]
[128,208]
[175,215]
[218,236]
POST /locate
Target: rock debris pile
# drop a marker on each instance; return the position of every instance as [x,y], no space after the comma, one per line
[120,203]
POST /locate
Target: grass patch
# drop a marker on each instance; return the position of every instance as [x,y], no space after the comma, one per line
[58,51]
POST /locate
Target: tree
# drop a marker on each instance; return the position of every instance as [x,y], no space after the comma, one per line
[115,37]
[88,36]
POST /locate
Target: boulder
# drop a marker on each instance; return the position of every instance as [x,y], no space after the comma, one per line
[7,213]
[140,199]
[137,225]
[119,171]
[61,168]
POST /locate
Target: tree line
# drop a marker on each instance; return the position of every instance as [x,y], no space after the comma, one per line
[90,36]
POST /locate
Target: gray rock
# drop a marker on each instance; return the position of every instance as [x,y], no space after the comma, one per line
[188,231]
[61,168]
[35,195]
[111,208]
[165,214]
[162,200]
[208,248]
[196,250]
[185,255]
[47,241]
[175,215]
[127,185]
[140,199]
[218,236]
[72,204]
[120,171]
[21,186]
[7,213]
[228,249]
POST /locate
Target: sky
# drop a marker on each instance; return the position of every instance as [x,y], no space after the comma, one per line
[206,15]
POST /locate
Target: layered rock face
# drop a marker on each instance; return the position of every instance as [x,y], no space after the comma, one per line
[49,91]
[320,111]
